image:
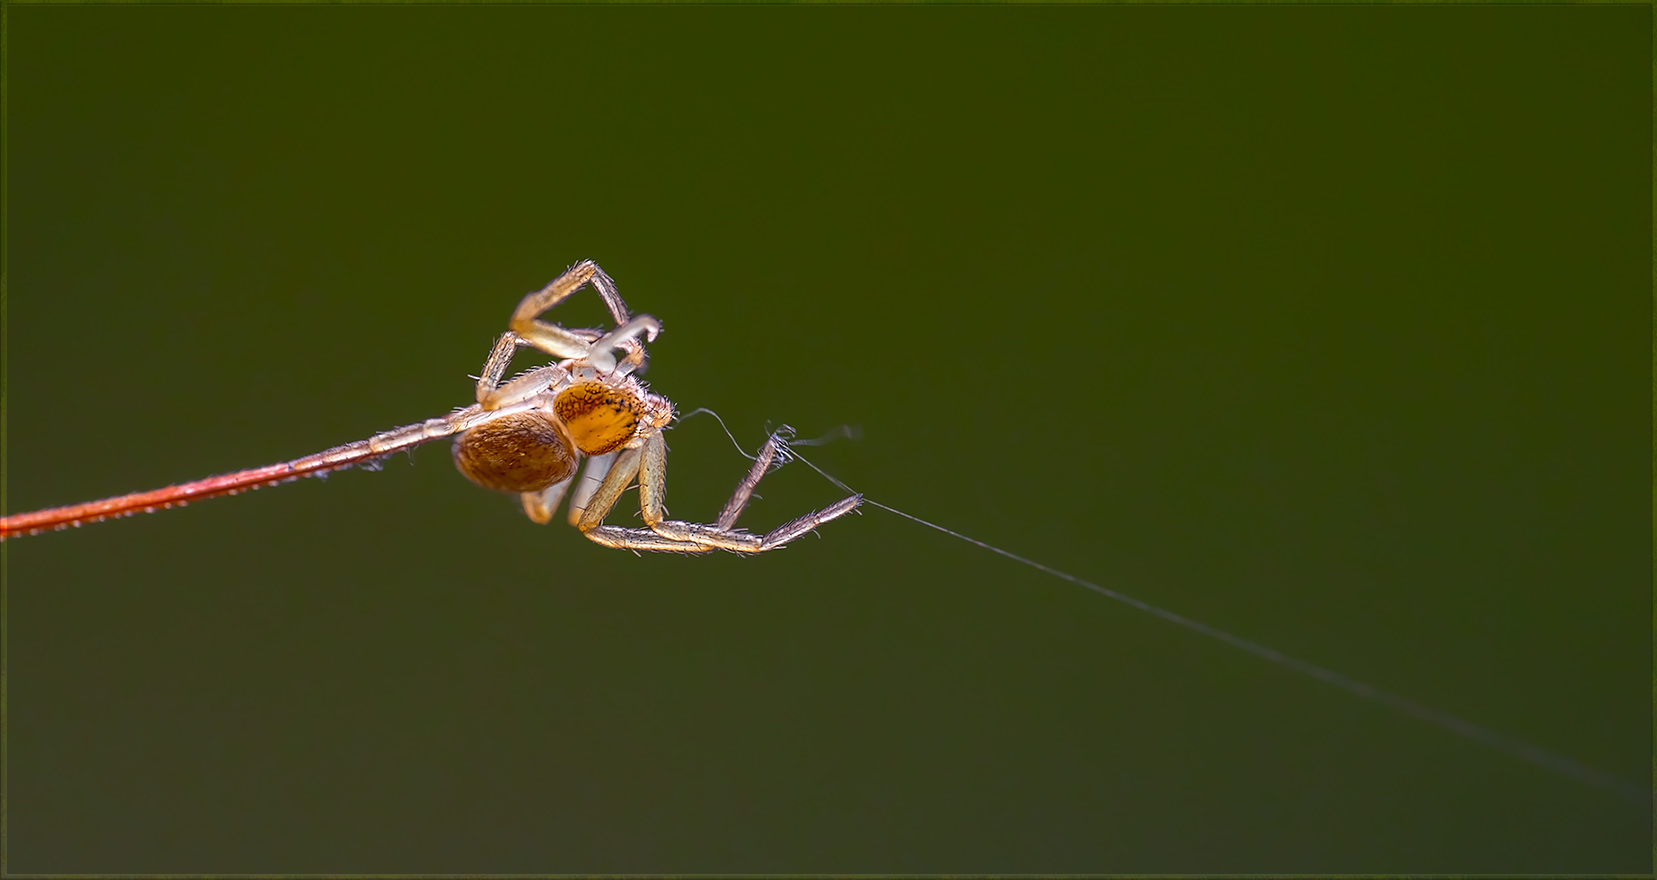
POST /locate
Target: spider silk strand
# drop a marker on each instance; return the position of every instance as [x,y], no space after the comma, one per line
[1518,748]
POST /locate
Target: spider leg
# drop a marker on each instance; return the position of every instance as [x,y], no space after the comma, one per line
[598,467]
[601,352]
[560,288]
[777,445]
[562,342]
[493,395]
[590,519]
[622,471]
[600,348]
[745,489]
[539,506]
[667,535]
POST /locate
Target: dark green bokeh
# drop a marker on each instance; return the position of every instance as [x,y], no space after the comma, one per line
[1328,327]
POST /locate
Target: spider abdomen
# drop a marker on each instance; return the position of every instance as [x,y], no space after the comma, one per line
[524,452]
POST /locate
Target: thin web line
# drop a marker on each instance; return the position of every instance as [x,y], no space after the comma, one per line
[1513,746]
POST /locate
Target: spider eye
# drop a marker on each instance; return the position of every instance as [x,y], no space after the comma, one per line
[600,418]
[525,452]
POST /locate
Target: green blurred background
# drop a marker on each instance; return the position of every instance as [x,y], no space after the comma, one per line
[1328,327]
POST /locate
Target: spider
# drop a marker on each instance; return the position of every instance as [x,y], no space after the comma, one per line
[590,405]
[529,436]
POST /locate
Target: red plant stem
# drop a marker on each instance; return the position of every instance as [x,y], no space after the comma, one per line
[38,521]
[362,451]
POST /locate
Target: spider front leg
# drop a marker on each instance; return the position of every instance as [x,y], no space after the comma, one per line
[491,394]
[562,342]
[649,465]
